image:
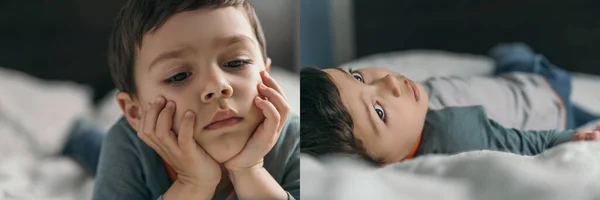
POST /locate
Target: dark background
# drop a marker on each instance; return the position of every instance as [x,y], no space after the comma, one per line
[566,32]
[68,39]
[64,40]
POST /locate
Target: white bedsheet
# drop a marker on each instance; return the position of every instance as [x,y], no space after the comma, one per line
[35,118]
[570,171]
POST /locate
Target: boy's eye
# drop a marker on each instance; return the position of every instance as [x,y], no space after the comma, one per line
[236,63]
[358,77]
[380,111]
[178,78]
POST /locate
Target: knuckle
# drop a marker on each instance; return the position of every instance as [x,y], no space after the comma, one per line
[285,108]
[161,136]
[148,132]
[271,91]
[156,106]
[276,115]
[169,108]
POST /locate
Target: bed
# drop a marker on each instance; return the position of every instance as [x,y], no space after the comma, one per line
[569,171]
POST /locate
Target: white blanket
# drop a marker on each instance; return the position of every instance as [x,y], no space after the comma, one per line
[35,119]
[570,171]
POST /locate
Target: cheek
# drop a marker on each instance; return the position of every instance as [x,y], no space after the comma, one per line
[407,118]
[181,107]
[246,87]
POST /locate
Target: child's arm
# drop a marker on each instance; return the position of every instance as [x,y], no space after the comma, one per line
[250,179]
[528,142]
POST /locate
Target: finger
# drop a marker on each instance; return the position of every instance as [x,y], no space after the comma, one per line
[165,118]
[584,135]
[141,122]
[270,82]
[274,97]
[595,135]
[186,131]
[268,132]
[163,127]
[147,133]
[598,127]
[152,145]
[152,115]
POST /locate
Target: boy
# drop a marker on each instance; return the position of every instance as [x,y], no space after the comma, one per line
[202,118]
[385,118]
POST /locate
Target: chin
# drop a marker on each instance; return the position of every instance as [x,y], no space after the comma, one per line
[227,145]
[222,154]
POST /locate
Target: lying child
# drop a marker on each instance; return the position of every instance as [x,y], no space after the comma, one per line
[385,118]
[202,117]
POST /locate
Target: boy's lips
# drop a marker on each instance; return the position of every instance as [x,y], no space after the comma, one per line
[414,89]
[223,118]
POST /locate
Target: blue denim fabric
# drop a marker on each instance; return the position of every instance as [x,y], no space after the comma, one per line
[519,57]
[83,145]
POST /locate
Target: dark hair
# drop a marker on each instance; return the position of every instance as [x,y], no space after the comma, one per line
[139,17]
[326,124]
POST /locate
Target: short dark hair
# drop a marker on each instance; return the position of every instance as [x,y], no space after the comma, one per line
[139,17]
[326,126]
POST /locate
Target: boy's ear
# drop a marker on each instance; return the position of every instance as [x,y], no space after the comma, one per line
[131,109]
[268,64]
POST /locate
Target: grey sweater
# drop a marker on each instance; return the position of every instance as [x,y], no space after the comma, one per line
[130,170]
[458,129]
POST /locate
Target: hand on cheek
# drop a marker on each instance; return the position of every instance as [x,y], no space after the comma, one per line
[194,167]
[275,109]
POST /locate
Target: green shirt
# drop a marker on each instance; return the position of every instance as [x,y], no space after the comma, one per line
[130,170]
[459,129]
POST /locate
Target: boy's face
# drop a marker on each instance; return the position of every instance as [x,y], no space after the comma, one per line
[205,60]
[387,109]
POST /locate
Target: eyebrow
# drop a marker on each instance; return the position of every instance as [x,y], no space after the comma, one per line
[368,107]
[234,39]
[343,71]
[170,55]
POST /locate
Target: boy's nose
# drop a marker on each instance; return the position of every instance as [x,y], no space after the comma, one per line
[391,83]
[218,91]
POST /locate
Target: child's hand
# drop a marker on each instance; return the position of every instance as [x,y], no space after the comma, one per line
[194,167]
[275,109]
[589,135]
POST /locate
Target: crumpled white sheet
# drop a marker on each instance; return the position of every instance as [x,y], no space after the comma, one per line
[569,171]
[35,119]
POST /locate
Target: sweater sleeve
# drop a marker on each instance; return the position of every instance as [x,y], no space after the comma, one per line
[528,142]
[291,181]
[119,170]
[461,129]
